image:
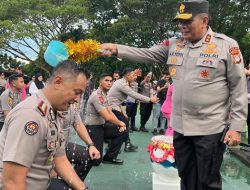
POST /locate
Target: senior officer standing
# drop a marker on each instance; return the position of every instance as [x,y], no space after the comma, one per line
[32,140]
[11,96]
[118,93]
[98,112]
[81,157]
[210,92]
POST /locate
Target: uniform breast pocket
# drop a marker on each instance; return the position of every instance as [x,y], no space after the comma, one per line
[206,69]
[175,66]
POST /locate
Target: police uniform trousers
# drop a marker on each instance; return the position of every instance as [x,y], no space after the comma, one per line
[248,124]
[79,157]
[57,184]
[1,125]
[198,160]
[145,111]
[131,110]
[110,131]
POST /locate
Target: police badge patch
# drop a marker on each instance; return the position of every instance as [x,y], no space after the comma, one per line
[101,99]
[31,128]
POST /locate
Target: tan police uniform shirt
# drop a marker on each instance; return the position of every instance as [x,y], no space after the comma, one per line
[31,137]
[119,92]
[134,86]
[8,101]
[70,118]
[145,88]
[96,103]
[209,82]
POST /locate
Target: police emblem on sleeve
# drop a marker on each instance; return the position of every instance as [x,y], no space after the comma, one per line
[235,52]
[101,99]
[31,128]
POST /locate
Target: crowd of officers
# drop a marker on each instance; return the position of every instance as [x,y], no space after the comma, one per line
[209,94]
[35,135]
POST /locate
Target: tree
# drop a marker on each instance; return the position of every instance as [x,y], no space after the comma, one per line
[231,17]
[8,63]
[139,23]
[27,26]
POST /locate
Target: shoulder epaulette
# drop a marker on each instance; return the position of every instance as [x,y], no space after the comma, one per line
[224,37]
[42,107]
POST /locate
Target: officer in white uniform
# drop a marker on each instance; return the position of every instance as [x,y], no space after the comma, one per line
[210,92]
[32,142]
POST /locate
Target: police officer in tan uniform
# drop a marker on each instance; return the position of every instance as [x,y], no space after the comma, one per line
[210,92]
[145,107]
[32,142]
[119,93]
[99,112]
[11,96]
[81,157]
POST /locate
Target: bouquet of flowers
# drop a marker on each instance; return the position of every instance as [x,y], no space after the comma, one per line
[80,51]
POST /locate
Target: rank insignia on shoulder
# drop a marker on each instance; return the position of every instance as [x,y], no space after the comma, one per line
[42,107]
[165,43]
[207,38]
[31,128]
[101,99]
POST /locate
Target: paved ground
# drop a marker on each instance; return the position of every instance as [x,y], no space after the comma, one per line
[135,174]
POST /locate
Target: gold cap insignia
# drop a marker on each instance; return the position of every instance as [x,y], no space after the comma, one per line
[182,8]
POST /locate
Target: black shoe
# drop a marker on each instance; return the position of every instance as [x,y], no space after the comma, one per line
[154,132]
[143,129]
[134,129]
[130,147]
[116,161]
[162,131]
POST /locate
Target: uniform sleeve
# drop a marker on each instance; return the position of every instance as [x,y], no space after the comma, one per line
[77,117]
[98,103]
[4,102]
[128,91]
[237,87]
[155,54]
[26,132]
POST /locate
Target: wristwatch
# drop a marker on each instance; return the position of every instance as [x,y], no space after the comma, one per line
[90,144]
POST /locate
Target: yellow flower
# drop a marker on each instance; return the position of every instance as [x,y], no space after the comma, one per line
[82,50]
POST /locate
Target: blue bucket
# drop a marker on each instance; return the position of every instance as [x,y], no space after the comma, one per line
[55,53]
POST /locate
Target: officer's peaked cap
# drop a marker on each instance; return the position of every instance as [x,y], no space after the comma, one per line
[188,9]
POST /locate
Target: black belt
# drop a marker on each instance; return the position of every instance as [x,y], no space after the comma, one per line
[95,125]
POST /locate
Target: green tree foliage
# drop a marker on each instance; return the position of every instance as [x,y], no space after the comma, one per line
[231,17]
[8,63]
[141,23]
[27,26]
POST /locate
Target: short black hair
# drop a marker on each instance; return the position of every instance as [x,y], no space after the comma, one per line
[105,75]
[70,68]
[14,77]
[127,71]
[166,72]
[118,72]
